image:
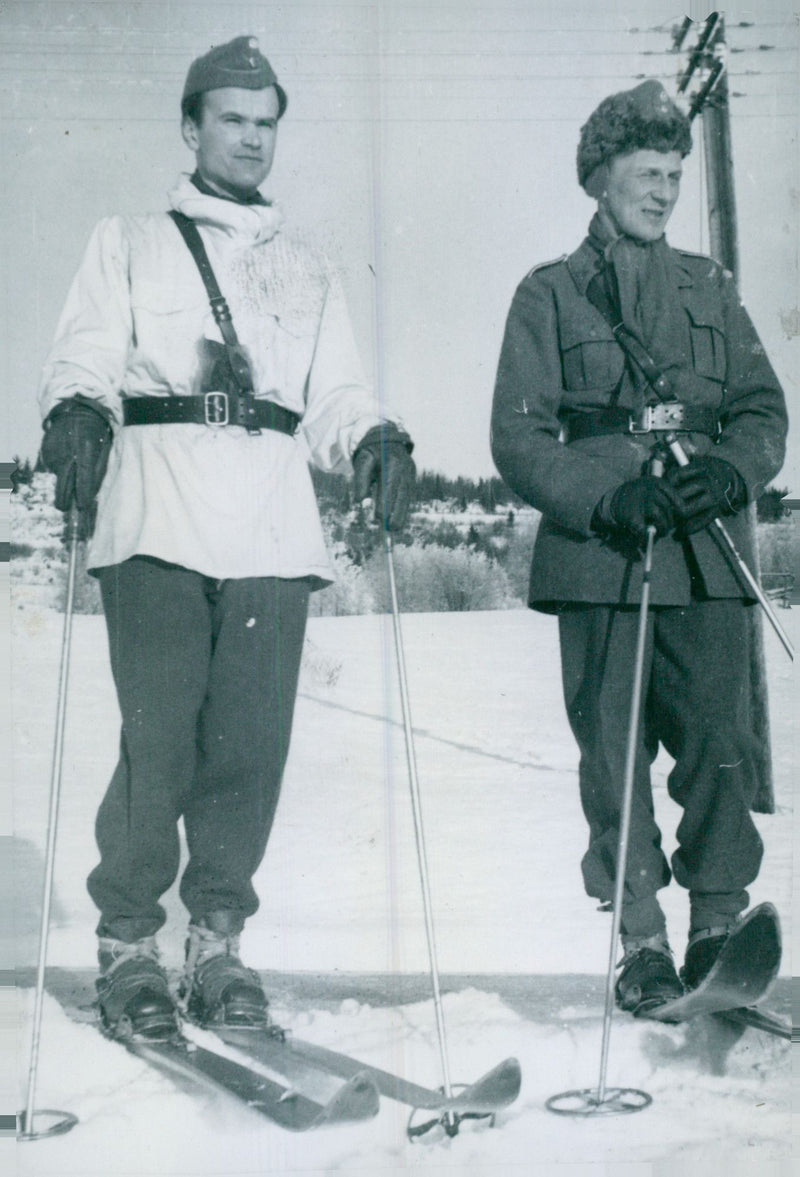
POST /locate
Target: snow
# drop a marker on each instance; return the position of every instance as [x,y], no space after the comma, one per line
[340,930]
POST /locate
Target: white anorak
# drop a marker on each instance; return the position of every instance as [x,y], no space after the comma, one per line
[214,499]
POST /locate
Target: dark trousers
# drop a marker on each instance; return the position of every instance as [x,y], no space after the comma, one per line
[695,703]
[206,675]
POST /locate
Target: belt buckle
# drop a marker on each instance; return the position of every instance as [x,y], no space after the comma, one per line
[642,424]
[670,415]
[667,415]
[215,406]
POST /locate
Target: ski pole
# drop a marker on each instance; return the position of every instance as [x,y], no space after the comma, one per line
[723,539]
[450,1120]
[66,1120]
[419,832]
[627,803]
[657,469]
[621,1099]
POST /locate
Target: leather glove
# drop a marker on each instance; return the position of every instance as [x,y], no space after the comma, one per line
[76,447]
[643,501]
[709,487]
[382,460]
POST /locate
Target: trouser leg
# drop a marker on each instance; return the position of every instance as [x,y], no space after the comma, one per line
[159,633]
[700,704]
[243,740]
[598,649]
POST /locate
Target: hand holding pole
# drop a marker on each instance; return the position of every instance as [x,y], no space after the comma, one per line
[722,536]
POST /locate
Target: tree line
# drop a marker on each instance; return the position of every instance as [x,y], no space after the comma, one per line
[334,492]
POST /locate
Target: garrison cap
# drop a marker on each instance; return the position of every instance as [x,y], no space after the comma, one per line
[239,63]
[644,118]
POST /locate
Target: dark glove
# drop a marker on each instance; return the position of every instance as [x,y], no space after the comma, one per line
[643,501]
[382,461]
[709,488]
[75,447]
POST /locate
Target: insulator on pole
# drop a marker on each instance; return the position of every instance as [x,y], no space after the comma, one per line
[704,94]
[679,33]
[710,27]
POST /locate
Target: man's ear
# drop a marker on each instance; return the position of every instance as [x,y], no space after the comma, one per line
[597,182]
[189,133]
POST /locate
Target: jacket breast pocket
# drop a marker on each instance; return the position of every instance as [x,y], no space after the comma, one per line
[163,312]
[708,344]
[590,356]
[168,323]
[283,350]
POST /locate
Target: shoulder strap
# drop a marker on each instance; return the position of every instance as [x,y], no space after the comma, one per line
[653,373]
[237,360]
[219,306]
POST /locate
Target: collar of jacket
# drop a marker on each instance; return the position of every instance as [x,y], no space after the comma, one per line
[255,223]
[584,263]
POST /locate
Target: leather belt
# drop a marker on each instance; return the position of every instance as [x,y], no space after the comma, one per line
[214,408]
[667,417]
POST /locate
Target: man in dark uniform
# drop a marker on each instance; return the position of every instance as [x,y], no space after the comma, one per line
[575,422]
[207,540]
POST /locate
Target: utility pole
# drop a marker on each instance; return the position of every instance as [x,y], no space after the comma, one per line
[712,102]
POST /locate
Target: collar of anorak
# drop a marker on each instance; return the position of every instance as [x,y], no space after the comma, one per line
[586,261]
[203,186]
[255,223]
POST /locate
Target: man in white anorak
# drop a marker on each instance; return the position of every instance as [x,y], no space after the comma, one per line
[173,430]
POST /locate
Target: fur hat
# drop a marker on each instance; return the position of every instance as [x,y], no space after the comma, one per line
[238,63]
[644,118]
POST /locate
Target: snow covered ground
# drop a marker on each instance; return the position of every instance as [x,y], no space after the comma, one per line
[340,901]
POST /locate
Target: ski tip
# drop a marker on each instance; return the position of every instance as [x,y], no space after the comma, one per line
[358,1099]
[762,910]
[510,1072]
[496,1089]
[765,930]
[765,922]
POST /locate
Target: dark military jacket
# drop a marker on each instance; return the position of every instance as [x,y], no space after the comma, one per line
[559,356]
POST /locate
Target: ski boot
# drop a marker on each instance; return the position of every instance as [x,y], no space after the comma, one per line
[647,977]
[217,989]
[133,991]
[705,945]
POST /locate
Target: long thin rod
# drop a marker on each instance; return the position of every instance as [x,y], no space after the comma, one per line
[416,802]
[722,536]
[52,821]
[627,802]
[419,831]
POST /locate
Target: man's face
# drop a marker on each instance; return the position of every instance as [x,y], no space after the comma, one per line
[641,190]
[234,142]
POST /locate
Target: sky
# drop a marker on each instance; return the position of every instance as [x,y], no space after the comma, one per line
[429,148]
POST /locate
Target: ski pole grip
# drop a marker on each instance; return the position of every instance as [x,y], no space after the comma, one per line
[656,465]
[677,450]
[72,522]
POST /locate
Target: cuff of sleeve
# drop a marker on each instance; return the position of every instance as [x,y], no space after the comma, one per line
[70,404]
[603,516]
[384,434]
[749,475]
